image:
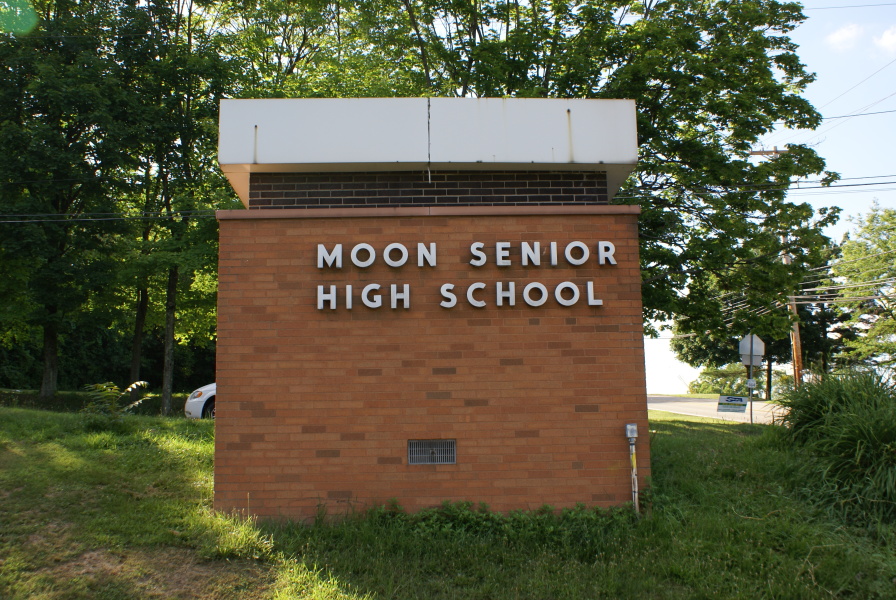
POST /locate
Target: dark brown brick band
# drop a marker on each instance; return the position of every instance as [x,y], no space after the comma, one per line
[419,188]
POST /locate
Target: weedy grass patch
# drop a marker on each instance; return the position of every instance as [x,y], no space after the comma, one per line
[846,426]
[113,513]
[126,513]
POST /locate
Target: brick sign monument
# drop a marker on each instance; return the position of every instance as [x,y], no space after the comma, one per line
[427,300]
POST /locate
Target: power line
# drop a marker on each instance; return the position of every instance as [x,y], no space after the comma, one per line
[821,291]
[839,300]
[88,217]
[860,83]
[833,188]
[850,6]
[880,112]
[847,262]
[815,134]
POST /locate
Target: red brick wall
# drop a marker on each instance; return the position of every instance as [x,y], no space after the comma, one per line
[315,407]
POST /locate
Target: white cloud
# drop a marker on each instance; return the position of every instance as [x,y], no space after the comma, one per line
[887,41]
[845,37]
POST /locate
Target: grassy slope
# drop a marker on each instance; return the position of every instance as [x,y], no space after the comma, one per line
[125,514]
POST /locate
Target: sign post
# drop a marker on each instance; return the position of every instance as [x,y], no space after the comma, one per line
[751,351]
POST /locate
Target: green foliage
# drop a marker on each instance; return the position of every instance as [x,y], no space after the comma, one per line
[110,109]
[91,351]
[105,399]
[17,16]
[847,425]
[867,270]
[731,380]
[103,410]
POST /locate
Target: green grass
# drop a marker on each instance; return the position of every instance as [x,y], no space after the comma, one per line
[125,513]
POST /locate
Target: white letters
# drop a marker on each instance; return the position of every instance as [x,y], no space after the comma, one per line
[502,254]
[376,301]
[329,259]
[476,249]
[323,297]
[605,252]
[473,301]
[565,255]
[509,295]
[404,296]
[428,255]
[387,255]
[371,256]
[531,253]
[450,300]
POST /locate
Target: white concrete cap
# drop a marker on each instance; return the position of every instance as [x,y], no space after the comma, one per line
[406,134]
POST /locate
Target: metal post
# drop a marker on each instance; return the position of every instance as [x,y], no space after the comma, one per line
[631,432]
[634,456]
[750,377]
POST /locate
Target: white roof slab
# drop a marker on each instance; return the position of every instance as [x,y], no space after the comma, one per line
[406,134]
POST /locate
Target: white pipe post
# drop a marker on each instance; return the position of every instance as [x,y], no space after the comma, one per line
[631,432]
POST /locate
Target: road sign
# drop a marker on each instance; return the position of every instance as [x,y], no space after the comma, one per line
[756,347]
[751,383]
[751,350]
[732,404]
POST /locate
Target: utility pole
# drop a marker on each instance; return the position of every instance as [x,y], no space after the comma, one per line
[796,345]
[795,342]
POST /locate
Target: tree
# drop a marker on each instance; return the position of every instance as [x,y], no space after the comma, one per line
[110,110]
[866,278]
[64,106]
[822,332]
[180,73]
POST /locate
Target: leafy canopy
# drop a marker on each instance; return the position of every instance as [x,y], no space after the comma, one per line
[867,273]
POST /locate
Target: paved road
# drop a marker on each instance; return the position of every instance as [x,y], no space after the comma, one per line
[762,411]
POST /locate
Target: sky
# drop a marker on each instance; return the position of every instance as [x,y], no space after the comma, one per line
[852,51]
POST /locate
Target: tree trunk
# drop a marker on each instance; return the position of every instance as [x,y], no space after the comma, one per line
[137,344]
[168,367]
[768,381]
[51,362]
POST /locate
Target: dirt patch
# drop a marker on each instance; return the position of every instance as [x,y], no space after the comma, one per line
[174,573]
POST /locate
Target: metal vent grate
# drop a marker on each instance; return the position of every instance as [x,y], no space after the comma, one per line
[432,452]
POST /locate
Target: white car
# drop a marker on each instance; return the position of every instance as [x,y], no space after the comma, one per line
[201,403]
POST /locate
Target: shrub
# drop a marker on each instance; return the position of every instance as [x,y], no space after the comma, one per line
[847,423]
[104,408]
